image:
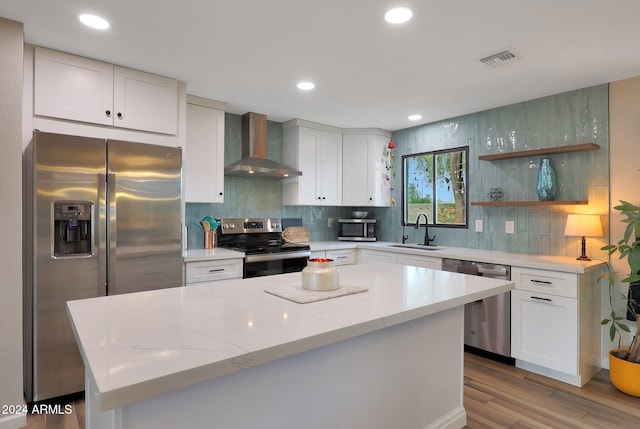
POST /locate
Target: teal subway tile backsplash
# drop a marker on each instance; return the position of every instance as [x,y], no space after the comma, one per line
[575,117]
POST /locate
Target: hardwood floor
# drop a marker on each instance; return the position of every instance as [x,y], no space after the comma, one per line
[501,396]
[495,396]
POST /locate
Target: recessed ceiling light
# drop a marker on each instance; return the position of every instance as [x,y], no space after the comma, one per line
[415,117]
[94,21]
[398,15]
[306,86]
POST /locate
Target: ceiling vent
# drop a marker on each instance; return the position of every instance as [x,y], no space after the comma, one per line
[499,59]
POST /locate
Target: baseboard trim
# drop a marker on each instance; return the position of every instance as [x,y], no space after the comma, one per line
[15,421]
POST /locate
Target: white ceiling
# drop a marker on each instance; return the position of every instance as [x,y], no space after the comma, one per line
[250,53]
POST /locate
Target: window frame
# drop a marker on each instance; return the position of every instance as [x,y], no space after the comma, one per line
[432,215]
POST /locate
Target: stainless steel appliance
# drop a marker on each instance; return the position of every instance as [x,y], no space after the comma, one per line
[104,218]
[254,162]
[261,241]
[487,322]
[357,229]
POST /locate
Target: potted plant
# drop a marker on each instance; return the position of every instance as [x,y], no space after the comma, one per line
[624,365]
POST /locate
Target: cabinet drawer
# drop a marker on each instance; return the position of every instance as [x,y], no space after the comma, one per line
[342,257]
[206,271]
[543,281]
[420,261]
[367,256]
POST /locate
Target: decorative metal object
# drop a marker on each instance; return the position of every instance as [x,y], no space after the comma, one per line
[496,194]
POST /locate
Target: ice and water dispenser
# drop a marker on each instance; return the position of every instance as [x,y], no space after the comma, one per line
[72,228]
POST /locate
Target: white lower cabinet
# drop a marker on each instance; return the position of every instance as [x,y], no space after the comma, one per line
[339,256]
[419,261]
[366,256]
[545,330]
[342,256]
[555,323]
[206,271]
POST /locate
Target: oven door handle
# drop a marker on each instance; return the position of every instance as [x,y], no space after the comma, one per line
[278,256]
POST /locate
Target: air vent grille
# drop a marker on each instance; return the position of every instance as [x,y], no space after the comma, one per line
[501,58]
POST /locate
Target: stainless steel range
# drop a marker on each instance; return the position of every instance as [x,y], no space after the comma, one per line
[261,241]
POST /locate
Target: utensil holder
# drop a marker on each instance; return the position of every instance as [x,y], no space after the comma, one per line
[209,239]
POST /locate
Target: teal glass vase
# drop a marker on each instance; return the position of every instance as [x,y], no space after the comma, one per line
[546,187]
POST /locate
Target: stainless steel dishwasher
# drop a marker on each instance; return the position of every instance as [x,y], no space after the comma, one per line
[487,322]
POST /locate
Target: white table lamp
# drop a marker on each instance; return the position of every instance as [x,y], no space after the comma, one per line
[583,225]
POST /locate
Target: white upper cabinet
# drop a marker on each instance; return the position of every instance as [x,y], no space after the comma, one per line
[316,150]
[143,101]
[365,177]
[85,90]
[203,155]
[75,88]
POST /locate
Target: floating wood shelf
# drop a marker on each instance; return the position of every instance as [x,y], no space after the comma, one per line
[528,203]
[537,152]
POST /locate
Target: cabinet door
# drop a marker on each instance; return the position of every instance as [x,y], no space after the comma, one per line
[309,141]
[365,174]
[544,330]
[204,155]
[329,169]
[318,254]
[420,261]
[342,256]
[379,179]
[144,101]
[366,256]
[74,88]
[355,173]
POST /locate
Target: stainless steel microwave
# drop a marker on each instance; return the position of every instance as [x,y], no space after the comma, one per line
[357,229]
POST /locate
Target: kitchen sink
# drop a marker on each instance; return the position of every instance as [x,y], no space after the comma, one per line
[417,246]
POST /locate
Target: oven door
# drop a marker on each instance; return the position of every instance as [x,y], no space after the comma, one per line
[274,263]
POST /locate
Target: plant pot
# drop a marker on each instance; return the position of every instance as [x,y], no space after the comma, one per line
[624,375]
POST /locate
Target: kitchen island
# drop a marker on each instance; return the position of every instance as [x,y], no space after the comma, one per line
[226,354]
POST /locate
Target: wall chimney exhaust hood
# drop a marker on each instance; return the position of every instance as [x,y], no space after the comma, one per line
[254,162]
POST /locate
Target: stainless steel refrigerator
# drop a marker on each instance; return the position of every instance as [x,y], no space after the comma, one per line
[103,218]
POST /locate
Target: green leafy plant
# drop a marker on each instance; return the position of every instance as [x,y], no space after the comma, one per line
[629,248]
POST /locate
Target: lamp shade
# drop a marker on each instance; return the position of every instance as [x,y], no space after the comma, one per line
[583,225]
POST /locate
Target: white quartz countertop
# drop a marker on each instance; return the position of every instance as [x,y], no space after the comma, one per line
[543,262]
[140,345]
[195,255]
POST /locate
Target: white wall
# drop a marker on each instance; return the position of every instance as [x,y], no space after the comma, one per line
[624,123]
[11,52]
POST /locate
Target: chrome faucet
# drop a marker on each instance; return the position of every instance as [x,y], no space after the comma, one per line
[427,239]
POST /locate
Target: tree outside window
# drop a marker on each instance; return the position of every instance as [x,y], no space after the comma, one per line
[436,183]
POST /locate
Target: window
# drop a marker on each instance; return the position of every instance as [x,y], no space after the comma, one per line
[435,183]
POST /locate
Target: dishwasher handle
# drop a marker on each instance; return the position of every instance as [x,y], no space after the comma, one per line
[493,271]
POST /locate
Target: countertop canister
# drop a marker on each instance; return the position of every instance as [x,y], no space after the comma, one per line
[320,274]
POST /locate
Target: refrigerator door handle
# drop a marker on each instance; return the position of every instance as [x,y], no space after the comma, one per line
[111,232]
[100,232]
